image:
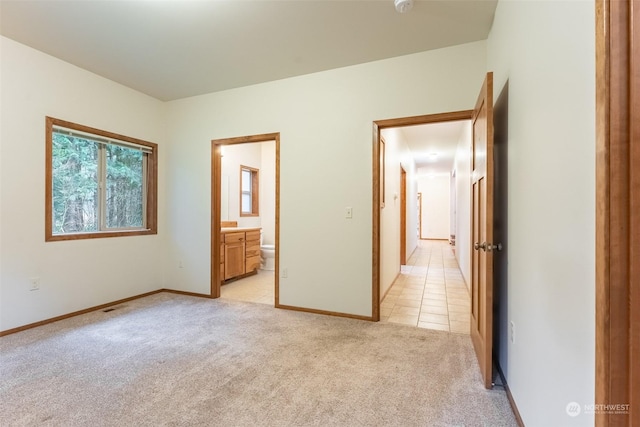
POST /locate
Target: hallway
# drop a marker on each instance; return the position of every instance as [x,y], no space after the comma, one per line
[429,292]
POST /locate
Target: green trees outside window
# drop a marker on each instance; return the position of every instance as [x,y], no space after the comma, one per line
[124,187]
[75,184]
[79,180]
[97,184]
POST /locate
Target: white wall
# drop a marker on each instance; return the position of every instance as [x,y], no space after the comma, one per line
[268,192]
[452,204]
[325,120]
[74,275]
[235,155]
[546,51]
[462,165]
[397,153]
[258,155]
[435,205]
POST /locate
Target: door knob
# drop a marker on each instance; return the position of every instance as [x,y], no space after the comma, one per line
[482,246]
[492,247]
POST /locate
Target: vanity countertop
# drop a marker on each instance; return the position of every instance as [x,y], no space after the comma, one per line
[233,229]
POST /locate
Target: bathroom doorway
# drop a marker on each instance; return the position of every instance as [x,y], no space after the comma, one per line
[245,226]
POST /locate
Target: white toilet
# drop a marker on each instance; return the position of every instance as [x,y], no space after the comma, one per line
[267,256]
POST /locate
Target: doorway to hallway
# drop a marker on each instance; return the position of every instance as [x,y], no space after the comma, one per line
[479,222]
[388,238]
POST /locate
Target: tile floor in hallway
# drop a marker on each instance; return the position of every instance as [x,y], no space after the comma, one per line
[430,291]
[257,288]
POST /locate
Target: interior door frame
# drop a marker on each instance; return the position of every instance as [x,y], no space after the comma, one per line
[403,216]
[216,187]
[617,246]
[378,126]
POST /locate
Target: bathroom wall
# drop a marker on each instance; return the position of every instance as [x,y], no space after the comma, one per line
[234,156]
[261,156]
[268,192]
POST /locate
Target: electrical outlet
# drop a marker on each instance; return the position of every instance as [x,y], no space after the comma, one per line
[348,212]
[285,273]
[180,265]
[512,332]
[35,284]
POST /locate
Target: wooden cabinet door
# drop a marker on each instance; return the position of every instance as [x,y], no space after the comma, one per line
[234,259]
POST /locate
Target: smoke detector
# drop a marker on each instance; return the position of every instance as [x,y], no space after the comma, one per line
[403,6]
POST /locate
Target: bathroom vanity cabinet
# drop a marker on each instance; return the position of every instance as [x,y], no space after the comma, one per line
[239,252]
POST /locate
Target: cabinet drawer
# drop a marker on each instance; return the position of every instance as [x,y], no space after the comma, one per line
[252,263]
[233,237]
[252,249]
[253,235]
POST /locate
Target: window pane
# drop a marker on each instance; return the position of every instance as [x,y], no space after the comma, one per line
[246,202]
[75,184]
[246,180]
[124,187]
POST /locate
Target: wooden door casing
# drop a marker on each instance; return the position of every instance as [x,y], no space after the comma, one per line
[617,373]
[403,216]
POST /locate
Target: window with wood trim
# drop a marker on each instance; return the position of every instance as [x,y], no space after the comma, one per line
[249,191]
[98,183]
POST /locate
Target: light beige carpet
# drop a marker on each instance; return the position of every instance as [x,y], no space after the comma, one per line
[181,361]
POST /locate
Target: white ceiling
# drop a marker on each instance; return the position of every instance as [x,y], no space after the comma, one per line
[171,49]
[440,138]
[175,49]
